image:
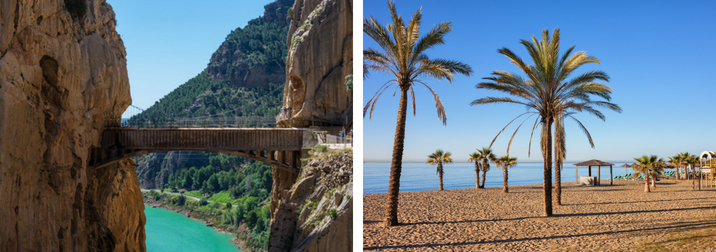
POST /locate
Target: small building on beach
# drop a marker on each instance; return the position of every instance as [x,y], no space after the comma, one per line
[598,164]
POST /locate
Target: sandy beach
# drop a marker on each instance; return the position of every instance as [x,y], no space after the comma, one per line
[620,217]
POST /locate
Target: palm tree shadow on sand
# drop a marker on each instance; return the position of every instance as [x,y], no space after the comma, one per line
[682,226]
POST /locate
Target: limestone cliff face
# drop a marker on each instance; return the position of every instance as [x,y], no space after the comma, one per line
[63,79]
[320,56]
[317,212]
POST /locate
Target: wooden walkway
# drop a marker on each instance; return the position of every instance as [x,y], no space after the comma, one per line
[275,146]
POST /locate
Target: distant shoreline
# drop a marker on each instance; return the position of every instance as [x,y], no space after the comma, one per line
[564,183]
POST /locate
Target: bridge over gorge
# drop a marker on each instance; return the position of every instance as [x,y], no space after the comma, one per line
[280,147]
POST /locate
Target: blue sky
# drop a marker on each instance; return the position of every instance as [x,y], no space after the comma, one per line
[169,42]
[661,58]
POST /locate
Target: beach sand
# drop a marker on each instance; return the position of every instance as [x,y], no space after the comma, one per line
[618,217]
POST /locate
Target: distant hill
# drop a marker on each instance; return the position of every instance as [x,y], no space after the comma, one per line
[245,76]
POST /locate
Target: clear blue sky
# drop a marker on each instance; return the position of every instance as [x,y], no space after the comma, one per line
[169,42]
[661,58]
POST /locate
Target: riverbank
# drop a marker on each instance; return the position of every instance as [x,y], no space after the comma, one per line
[198,216]
[617,217]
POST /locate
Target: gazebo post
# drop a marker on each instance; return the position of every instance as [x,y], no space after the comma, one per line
[576,174]
[611,176]
[590,170]
[599,175]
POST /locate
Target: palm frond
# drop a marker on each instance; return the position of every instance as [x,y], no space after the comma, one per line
[508,124]
[584,129]
[513,134]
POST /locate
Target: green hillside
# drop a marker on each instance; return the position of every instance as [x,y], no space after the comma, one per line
[242,82]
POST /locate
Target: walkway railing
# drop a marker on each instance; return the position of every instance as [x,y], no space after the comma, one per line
[204,122]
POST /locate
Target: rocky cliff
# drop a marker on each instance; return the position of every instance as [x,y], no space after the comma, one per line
[320,56]
[309,212]
[317,213]
[63,80]
[250,57]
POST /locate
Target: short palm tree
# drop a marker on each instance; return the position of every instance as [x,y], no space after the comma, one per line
[487,157]
[404,57]
[550,95]
[656,170]
[676,161]
[684,158]
[643,166]
[475,158]
[439,157]
[692,161]
[505,163]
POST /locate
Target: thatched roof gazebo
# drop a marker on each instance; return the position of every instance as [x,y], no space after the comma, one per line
[598,164]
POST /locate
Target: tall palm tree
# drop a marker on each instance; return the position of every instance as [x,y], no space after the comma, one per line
[549,94]
[475,157]
[404,57]
[644,164]
[439,157]
[505,163]
[487,157]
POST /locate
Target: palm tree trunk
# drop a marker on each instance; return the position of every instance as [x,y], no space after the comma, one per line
[477,174]
[440,174]
[391,207]
[646,181]
[484,171]
[504,180]
[677,172]
[557,169]
[653,182]
[547,157]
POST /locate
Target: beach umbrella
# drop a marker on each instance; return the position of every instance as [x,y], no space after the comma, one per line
[625,167]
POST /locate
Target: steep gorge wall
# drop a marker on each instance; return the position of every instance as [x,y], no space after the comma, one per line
[317,213]
[63,79]
[320,56]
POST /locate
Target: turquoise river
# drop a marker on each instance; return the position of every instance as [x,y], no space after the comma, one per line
[170,231]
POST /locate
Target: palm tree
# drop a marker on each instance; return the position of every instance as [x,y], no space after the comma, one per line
[656,170]
[692,161]
[684,156]
[505,163]
[475,157]
[676,161]
[486,156]
[549,95]
[644,164]
[439,157]
[404,57]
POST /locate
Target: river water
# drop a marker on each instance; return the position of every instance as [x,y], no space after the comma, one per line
[170,231]
[421,177]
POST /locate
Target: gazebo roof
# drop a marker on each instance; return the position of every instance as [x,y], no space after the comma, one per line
[593,162]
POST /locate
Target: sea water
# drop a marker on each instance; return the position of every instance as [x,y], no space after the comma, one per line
[422,177]
[170,231]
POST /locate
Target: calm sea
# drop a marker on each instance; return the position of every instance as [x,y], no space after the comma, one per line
[422,177]
[170,231]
